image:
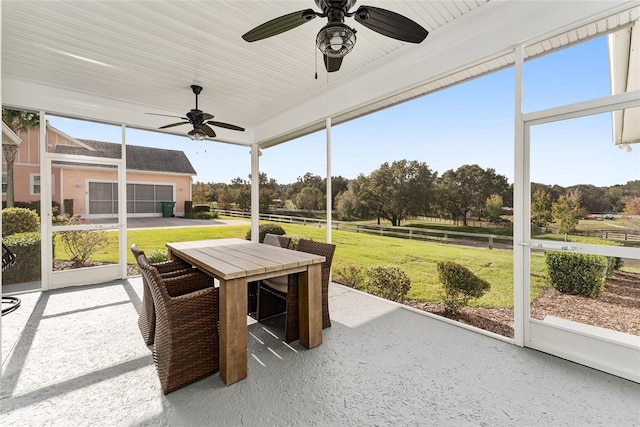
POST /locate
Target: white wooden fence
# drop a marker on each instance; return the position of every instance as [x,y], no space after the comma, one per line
[418,233]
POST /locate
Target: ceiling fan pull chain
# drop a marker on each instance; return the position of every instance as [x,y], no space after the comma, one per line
[316,56]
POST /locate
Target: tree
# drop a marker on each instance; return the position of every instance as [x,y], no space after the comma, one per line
[400,189]
[350,204]
[239,183]
[460,191]
[592,198]
[554,191]
[492,183]
[308,180]
[200,192]
[632,207]
[618,195]
[17,121]
[338,185]
[308,199]
[243,198]
[225,198]
[541,213]
[493,208]
[265,197]
[567,212]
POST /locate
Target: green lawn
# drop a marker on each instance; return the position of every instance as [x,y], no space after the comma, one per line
[418,259]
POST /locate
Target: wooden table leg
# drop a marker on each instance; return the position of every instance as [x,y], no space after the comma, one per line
[310,300]
[233,330]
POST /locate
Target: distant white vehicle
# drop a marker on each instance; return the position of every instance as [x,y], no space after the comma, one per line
[608,216]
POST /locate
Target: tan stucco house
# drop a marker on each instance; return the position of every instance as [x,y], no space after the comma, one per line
[154,176]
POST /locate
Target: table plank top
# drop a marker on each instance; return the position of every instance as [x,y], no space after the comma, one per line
[234,258]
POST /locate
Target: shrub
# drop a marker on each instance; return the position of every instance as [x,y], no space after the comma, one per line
[19,220]
[26,247]
[350,275]
[577,274]
[266,229]
[388,282]
[81,244]
[460,285]
[188,207]
[295,238]
[613,263]
[157,255]
[201,208]
[201,215]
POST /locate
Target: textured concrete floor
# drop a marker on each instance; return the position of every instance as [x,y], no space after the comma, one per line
[75,357]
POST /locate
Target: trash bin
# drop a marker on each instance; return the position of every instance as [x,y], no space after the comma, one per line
[167,209]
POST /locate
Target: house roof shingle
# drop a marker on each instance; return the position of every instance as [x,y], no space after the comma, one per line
[138,158]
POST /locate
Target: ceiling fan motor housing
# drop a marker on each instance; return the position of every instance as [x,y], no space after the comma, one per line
[345,5]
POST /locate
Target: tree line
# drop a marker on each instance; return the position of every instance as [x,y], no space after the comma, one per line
[403,189]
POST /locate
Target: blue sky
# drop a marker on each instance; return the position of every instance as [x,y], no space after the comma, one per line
[465,124]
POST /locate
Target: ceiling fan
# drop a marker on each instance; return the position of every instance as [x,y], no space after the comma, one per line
[336,39]
[200,121]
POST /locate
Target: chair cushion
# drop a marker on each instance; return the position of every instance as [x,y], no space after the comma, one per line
[278,283]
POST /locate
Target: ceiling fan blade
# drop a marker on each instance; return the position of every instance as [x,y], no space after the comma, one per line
[332,64]
[226,126]
[167,115]
[207,116]
[173,124]
[206,129]
[279,25]
[390,24]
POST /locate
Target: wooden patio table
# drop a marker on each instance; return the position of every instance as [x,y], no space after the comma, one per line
[234,262]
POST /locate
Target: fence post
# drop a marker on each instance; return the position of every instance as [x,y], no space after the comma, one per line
[490,242]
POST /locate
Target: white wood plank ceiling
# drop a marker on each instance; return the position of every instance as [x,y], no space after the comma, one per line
[115,61]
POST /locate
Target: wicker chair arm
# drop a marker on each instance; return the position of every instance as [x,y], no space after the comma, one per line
[195,295]
[195,305]
[187,283]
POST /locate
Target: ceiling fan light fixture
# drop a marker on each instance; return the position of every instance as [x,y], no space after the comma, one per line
[196,135]
[335,40]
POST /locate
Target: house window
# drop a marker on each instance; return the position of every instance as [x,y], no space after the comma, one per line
[34,184]
[4,183]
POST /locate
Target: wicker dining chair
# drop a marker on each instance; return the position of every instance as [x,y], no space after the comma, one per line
[147,315]
[252,287]
[186,343]
[276,240]
[271,292]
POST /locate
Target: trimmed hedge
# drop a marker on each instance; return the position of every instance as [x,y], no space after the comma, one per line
[460,285]
[19,220]
[613,263]
[201,215]
[265,229]
[578,274]
[389,282]
[201,208]
[350,275]
[26,246]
